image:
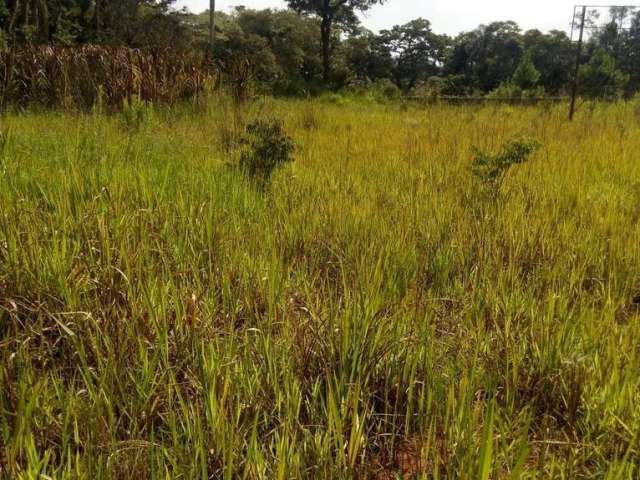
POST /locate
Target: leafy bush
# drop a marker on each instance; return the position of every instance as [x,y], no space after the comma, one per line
[381,90]
[601,78]
[384,90]
[431,90]
[266,147]
[455,85]
[505,90]
[534,93]
[511,91]
[491,168]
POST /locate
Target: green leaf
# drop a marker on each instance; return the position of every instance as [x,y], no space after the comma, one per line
[486,452]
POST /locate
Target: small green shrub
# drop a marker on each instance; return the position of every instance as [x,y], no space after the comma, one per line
[491,168]
[266,147]
[384,90]
[506,90]
[511,91]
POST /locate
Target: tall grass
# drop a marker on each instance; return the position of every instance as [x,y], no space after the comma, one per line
[370,315]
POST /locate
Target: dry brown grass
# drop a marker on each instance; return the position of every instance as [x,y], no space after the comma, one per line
[84,77]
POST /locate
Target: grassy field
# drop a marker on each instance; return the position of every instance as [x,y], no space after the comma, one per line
[372,313]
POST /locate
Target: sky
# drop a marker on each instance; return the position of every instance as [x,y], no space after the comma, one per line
[446,16]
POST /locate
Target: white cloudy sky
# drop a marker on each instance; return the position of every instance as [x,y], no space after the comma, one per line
[447,16]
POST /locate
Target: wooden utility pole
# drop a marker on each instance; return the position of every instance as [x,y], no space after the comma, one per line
[212,25]
[576,79]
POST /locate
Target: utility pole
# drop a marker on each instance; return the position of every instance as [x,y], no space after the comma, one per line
[212,25]
[576,80]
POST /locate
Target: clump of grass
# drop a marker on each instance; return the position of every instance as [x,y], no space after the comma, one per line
[240,81]
[135,114]
[309,118]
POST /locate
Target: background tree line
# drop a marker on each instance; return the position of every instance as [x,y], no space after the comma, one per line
[320,43]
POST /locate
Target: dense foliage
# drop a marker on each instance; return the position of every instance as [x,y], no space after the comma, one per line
[316,45]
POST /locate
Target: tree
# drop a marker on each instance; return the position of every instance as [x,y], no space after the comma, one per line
[630,56]
[418,52]
[138,23]
[600,78]
[620,41]
[28,19]
[124,22]
[367,56]
[280,47]
[332,12]
[526,75]
[290,37]
[553,55]
[212,24]
[488,56]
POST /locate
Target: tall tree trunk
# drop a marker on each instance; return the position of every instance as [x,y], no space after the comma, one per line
[43,21]
[26,17]
[97,20]
[325,32]
[212,25]
[29,15]
[14,18]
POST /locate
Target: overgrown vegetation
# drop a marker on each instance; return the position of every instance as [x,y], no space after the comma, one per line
[318,46]
[85,77]
[160,317]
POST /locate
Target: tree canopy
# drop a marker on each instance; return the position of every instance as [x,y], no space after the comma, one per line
[319,44]
[331,13]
